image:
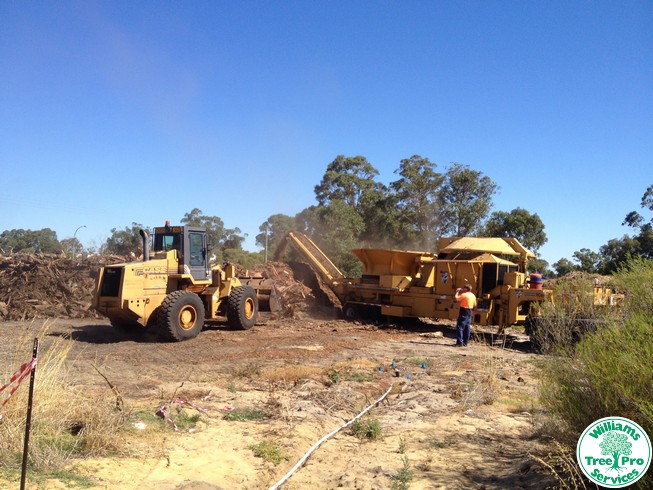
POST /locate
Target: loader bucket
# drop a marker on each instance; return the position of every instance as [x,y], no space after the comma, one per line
[266,293]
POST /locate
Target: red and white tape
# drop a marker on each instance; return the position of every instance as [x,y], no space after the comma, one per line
[16,380]
[163,411]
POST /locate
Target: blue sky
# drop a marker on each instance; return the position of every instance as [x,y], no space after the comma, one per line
[121,112]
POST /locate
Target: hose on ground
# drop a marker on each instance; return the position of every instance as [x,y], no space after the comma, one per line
[329,435]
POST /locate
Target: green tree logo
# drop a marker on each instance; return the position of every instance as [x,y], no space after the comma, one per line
[614,452]
[615,444]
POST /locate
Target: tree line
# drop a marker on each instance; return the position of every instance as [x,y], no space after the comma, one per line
[353,209]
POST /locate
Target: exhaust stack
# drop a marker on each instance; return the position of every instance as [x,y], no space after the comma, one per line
[146,244]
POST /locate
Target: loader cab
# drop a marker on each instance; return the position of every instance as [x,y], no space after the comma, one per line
[190,244]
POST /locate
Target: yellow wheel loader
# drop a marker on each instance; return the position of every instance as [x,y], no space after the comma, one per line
[175,290]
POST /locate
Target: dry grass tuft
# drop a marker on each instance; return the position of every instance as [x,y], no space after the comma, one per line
[292,374]
[67,421]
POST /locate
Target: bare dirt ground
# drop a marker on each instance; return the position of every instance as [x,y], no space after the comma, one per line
[467,419]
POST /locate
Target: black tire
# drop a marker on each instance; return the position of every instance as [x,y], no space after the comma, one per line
[242,307]
[350,312]
[181,316]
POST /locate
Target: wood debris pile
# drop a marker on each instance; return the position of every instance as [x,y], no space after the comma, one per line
[46,286]
[294,294]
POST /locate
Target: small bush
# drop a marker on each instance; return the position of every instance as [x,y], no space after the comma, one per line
[366,428]
[269,452]
[438,444]
[334,376]
[636,279]
[401,479]
[242,414]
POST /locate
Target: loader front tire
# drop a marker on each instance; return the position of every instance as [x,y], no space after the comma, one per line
[181,316]
[242,307]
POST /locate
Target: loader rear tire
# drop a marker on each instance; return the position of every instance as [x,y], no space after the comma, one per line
[242,307]
[181,316]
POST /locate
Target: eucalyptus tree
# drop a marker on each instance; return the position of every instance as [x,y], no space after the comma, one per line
[273,230]
[29,241]
[520,224]
[416,196]
[465,200]
[124,241]
[219,237]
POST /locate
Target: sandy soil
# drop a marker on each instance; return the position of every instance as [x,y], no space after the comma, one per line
[465,420]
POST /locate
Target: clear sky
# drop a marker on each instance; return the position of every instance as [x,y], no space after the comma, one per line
[117,112]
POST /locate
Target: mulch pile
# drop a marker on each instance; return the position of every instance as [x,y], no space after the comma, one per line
[46,286]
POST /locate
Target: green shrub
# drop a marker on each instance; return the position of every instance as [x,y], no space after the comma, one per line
[366,428]
[610,374]
[242,414]
[269,452]
[636,280]
[610,371]
[401,479]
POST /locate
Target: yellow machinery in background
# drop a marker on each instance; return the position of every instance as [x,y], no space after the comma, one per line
[401,283]
[175,290]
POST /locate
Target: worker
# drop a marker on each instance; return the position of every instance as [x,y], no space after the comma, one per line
[467,301]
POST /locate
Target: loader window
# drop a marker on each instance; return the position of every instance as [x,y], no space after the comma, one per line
[196,249]
[167,242]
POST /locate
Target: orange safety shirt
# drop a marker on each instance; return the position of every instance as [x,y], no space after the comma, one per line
[467,300]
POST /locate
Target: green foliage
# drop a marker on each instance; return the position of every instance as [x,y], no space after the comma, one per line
[125,241]
[72,247]
[367,428]
[335,229]
[438,444]
[541,266]
[636,279]
[416,194]
[520,224]
[401,479]
[29,241]
[246,260]
[608,372]
[269,451]
[244,414]
[334,375]
[618,252]
[588,261]
[219,237]
[360,377]
[564,267]
[273,231]
[347,179]
[465,200]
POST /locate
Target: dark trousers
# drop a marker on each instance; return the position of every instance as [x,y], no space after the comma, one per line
[464,326]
